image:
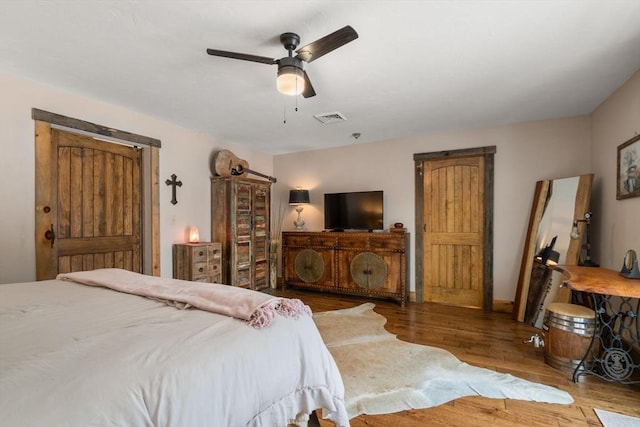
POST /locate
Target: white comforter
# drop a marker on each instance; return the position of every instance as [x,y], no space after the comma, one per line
[74,355]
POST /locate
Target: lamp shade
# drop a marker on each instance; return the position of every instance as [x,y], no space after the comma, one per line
[290,81]
[298,197]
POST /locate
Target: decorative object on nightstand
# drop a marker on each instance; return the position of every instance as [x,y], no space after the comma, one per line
[198,262]
[194,234]
[575,235]
[299,198]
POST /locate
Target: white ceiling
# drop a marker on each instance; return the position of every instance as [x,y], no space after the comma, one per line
[418,66]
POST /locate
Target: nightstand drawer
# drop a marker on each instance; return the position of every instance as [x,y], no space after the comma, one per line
[200,270]
[215,251]
[200,254]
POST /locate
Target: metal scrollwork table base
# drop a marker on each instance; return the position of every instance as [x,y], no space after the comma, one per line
[614,352]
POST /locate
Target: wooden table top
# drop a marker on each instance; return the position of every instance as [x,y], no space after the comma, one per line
[599,280]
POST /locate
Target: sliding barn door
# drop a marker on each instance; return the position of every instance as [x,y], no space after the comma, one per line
[88,204]
[455,216]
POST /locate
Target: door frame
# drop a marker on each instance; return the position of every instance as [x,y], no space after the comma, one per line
[150,174]
[419,158]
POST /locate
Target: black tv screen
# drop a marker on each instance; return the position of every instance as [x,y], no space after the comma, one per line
[360,210]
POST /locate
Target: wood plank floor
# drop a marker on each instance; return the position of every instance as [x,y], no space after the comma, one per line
[487,340]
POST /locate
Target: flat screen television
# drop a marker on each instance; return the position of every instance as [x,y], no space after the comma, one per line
[362,210]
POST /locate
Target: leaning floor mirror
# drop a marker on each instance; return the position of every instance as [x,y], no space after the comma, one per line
[555,235]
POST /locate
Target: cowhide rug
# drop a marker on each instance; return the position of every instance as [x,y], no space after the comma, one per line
[383,375]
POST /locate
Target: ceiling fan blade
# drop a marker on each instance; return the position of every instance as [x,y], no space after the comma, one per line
[326,44]
[308,87]
[242,56]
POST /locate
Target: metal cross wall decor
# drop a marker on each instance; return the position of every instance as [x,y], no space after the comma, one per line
[173,183]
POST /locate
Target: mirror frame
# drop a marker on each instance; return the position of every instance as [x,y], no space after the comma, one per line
[583,197]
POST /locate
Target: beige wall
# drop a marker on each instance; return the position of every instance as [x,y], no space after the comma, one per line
[184,152]
[616,222]
[526,153]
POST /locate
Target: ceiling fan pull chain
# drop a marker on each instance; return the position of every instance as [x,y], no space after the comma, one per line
[296,108]
[284,112]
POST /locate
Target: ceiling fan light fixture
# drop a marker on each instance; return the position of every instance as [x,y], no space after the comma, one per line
[290,80]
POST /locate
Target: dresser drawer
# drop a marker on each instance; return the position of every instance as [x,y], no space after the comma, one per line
[385,242]
[322,240]
[349,241]
[296,240]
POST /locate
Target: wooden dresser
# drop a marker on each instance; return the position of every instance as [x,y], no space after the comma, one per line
[198,262]
[372,264]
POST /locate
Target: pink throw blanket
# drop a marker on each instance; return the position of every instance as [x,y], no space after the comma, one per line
[256,308]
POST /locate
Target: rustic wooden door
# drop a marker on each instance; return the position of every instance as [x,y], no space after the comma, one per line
[454,225]
[88,204]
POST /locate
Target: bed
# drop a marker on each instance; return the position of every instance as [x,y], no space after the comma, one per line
[78,355]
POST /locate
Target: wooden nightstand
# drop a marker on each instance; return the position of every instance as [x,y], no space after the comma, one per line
[198,262]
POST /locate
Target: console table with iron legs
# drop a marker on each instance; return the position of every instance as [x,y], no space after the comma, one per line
[614,352]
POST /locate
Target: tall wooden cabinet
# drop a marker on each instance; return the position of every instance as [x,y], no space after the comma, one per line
[240,218]
[372,264]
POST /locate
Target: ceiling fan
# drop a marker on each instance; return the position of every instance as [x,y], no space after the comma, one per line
[292,78]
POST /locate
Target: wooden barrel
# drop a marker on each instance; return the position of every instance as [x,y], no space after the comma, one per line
[568,332]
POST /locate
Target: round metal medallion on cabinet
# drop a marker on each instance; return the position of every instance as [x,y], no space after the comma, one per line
[309,265]
[368,270]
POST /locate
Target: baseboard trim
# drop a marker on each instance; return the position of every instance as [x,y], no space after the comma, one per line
[499,306]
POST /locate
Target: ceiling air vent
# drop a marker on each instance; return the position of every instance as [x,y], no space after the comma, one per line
[329,118]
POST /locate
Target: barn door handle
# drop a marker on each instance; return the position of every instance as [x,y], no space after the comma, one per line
[50,235]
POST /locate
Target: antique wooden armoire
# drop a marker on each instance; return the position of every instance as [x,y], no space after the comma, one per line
[240,218]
